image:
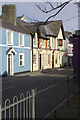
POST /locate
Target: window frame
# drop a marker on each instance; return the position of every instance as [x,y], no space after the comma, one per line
[11,37]
[22,60]
[22,40]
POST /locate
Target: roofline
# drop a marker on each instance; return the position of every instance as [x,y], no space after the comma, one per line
[50,35]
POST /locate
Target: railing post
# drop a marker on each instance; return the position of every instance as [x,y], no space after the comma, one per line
[33,104]
[0,113]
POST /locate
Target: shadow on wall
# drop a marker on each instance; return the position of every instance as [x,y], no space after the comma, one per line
[5,73]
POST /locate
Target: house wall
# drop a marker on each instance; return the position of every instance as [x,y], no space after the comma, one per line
[26,50]
[35,67]
[44,51]
[58,52]
[44,60]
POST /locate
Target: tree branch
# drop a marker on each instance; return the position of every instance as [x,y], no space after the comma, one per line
[57,12]
[52,7]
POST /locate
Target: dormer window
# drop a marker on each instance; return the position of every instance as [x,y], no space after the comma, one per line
[21,40]
[9,38]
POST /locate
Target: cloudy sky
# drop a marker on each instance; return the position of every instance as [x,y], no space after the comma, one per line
[69,15]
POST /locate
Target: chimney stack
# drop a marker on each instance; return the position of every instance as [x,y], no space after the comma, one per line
[9,13]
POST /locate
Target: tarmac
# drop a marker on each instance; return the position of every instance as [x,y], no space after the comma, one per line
[68,111]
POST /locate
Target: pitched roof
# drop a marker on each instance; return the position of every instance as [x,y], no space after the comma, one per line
[55,26]
[8,25]
[44,29]
[51,28]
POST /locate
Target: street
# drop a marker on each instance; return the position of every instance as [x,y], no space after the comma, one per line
[15,85]
[45,101]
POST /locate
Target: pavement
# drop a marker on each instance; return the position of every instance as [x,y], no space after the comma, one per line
[67,70]
[68,111]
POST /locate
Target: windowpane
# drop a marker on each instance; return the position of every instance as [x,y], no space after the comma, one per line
[21,60]
[21,40]
[21,63]
[20,57]
[8,37]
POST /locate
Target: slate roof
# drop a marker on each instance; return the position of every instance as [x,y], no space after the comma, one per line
[12,27]
[51,28]
[55,26]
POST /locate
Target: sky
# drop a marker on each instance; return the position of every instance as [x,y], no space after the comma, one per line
[69,15]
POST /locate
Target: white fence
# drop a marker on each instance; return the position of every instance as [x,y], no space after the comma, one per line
[19,108]
[46,101]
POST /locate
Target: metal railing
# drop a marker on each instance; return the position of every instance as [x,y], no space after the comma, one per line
[70,85]
[19,108]
[42,103]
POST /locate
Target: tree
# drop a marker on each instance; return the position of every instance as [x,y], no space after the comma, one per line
[47,9]
[77,3]
[51,8]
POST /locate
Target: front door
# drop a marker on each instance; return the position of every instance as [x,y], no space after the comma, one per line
[40,61]
[10,66]
[52,61]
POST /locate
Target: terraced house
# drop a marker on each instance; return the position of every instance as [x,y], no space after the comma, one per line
[48,44]
[30,46]
[15,44]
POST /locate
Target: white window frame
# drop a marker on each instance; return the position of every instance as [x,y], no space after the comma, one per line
[22,60]
[22,40]
[35,41]
[36,59]
[11,37]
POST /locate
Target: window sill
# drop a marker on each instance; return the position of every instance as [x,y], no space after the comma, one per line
[21,66]
[9,44]
[21,45]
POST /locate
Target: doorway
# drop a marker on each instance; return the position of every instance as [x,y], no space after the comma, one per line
[40,61]
[53,61]
[10,64]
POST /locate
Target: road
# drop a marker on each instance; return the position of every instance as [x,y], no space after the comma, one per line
[21,83]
